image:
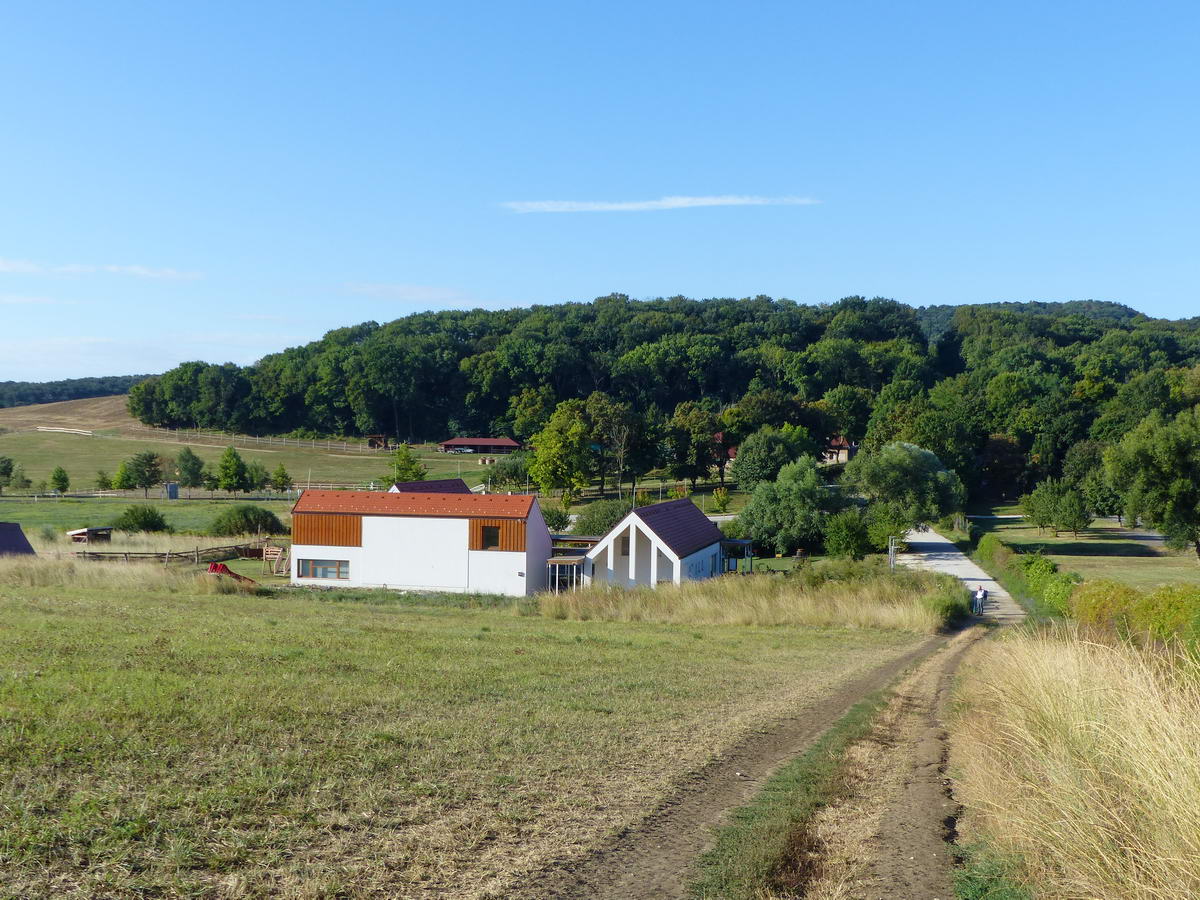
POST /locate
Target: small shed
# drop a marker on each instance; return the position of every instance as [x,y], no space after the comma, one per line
[13,541]
[99,535]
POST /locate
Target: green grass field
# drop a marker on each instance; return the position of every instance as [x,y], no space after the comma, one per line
[193,744]
[81,456]
[1103,551]
[67,513]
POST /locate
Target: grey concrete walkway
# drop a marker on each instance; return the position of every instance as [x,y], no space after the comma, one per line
[929,550]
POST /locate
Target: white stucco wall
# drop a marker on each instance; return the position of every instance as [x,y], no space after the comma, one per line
[700,564]
[309,551]
[497,572]
[411,553]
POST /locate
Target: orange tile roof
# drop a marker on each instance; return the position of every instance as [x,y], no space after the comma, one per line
[382,503]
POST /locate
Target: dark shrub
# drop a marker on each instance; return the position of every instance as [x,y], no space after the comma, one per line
[141,518]
[246,518]
[600,517]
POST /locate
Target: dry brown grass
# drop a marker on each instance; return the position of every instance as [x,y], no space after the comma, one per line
[27,572]
[137,542]
[910,601]
[1082,759]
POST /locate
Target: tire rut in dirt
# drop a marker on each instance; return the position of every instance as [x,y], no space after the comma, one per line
[654,858]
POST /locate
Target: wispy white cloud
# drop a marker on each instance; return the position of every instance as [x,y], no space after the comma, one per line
[26,267]
[410,293]
[566,206]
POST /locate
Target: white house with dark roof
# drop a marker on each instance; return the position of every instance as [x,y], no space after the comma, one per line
[417,541]
[672,542]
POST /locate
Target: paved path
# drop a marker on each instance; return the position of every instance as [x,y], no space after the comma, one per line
[929,550]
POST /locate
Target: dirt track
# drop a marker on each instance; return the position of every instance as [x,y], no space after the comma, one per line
[654,858]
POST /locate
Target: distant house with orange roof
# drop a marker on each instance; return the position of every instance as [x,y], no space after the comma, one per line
[420,541]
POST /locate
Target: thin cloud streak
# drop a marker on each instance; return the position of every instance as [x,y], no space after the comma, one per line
[26,267]
[567,206]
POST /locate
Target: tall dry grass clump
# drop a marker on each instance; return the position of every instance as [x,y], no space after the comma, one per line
[34,572]
[1082,760]
[910,601]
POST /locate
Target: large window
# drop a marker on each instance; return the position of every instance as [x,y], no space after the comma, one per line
[324,568]
[490,537]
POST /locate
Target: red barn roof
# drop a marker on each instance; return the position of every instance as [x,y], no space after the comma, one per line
[383,503]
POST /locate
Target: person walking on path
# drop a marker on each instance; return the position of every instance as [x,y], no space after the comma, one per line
[977,601]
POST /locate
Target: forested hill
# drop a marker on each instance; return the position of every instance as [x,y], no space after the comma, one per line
[937,320]
[1042,376]
[26,393]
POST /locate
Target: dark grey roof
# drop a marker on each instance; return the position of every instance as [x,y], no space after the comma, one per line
[13,541]
[680,525]
[441,486]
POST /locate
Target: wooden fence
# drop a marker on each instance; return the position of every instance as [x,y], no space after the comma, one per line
[199,555]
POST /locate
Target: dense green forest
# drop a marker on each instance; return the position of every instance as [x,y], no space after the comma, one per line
[24,393]
[999,392]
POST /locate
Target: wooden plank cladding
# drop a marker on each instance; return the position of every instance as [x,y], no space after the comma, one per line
[327,529]
[497,534]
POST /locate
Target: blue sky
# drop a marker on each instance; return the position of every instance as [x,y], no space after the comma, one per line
[221,180]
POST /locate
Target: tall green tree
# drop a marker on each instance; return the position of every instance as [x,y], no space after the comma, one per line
[1072,513]
[764,453]
[406,466]
[562,450]
[122,479]
[60,480]
[231,471]
[1157,465]
[190,469]
[280,479]
[790,512]
[910,479]
[257,476]
[145,470]
[693,441]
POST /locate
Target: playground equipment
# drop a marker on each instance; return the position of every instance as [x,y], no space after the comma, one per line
[275,560]
[218,568]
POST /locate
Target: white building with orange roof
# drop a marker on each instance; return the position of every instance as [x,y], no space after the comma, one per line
[494,543]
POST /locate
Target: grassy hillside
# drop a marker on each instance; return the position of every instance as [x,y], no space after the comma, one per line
[169,741]
[118,436]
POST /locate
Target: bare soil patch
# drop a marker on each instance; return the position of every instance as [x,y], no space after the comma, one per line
[654,858]
[892,834]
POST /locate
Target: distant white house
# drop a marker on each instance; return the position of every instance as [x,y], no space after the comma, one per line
[408,540]
[671,542]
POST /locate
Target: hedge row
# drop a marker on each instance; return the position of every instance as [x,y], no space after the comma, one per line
[1029,575]
[1168,611]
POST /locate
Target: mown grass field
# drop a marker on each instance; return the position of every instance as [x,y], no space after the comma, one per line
[66,513]
[174,741]
[1103,551]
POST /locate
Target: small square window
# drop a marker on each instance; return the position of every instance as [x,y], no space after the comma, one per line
[491,537]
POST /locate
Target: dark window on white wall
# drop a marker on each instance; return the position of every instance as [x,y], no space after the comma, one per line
[324,568]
